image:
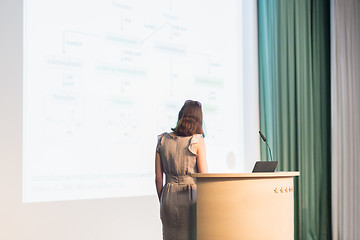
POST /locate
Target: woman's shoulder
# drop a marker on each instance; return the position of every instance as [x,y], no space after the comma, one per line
[161,135]
[197,137]
[165,134]
[193,144]
[160,141]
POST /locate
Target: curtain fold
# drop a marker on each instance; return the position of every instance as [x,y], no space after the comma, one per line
[294,89]
[345,99]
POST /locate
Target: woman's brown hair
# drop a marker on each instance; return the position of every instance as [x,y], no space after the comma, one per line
[190,119]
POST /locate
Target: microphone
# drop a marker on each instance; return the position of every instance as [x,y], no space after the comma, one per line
[264,139]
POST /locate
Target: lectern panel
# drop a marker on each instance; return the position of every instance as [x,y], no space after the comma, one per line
[245,208]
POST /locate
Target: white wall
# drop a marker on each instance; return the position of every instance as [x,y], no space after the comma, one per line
[251,86]
[124,218]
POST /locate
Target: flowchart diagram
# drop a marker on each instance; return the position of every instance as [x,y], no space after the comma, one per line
[105,77]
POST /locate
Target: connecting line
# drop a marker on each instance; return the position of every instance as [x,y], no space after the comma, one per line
[153,33]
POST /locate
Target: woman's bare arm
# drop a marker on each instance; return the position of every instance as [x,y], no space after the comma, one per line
[201,157]
[158,175]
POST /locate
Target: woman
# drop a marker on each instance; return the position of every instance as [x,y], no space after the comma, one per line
[179,154]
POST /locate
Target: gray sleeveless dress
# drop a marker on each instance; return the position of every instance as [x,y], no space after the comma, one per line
[178,197]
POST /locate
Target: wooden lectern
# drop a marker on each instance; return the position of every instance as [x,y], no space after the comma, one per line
[245,206]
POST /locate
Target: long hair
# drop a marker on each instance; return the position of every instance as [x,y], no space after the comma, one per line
[190,119]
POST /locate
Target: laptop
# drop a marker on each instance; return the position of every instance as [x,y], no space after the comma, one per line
[264,166]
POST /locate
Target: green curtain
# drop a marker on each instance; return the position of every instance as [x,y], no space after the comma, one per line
[294,89]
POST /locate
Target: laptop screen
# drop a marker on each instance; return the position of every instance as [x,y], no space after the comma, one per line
[264,166]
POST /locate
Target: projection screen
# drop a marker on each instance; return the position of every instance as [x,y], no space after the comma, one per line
[103,78]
